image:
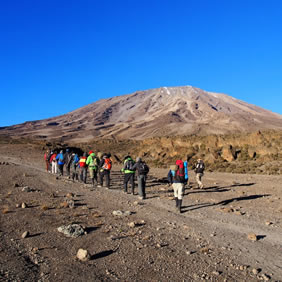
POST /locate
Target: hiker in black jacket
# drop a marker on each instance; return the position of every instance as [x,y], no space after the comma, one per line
[142,169]
[199,168]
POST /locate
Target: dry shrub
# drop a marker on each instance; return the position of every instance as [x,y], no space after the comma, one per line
[64,205]
[44,207]
[5,210]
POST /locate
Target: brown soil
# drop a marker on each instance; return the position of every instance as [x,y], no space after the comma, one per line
[208,241]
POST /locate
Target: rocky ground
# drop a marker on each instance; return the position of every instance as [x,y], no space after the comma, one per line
[229,231]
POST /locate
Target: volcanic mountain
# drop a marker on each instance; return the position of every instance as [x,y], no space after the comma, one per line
[166,111]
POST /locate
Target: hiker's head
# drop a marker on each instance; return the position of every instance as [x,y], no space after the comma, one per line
[61,151]
[90,152]
[138,159]
[67,150]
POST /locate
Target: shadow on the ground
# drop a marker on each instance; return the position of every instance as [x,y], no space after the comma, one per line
[102,254]
[222,203]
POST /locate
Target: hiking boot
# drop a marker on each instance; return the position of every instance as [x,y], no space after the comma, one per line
[179,205]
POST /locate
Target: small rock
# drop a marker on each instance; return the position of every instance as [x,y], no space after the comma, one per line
[188,252]
[268,223]
[83,255]
[255,271]
[216,273]
[70,195]
[26,189]
[16,185]
[24,205]
[17,205]
[118,213]
[25,234]
[252,237]
[72,230]
[265,277]
[131,224]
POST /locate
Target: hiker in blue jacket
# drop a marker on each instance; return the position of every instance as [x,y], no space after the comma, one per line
[61,162]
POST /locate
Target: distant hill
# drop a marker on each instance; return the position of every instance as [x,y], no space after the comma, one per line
[166,111]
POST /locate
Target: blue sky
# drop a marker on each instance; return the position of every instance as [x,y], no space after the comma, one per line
[57,55]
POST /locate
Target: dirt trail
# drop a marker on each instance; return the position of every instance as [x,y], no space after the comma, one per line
[208,241]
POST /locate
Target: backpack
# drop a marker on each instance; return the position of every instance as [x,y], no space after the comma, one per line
[95,161]
[186,170]
[61,158]
[143,168]
[108,164]
[75,159]
[180,172]
[200,167]
[129,165]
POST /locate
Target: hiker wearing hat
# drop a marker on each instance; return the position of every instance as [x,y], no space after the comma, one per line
[142,170]
[83,167]
[176,177]
[105,167]
[129,174]
[61,161]
[53,162]
[68,158]
[199,168]
[92,163]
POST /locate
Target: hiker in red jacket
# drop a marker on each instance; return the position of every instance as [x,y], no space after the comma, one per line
[83,167]
[53,162]
[47,156]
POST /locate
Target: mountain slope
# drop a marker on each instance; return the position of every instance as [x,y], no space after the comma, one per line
[164,111]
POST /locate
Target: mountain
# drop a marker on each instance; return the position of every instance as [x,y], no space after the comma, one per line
[166,111]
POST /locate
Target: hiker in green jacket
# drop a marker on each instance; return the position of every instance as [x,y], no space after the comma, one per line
[129,173]
[92,162]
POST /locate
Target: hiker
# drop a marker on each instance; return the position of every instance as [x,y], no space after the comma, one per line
[176,177]
[129,173]
[142,170]
[92,163]
[105,167]
[53,163]
[74,166]
[199,168]
[47,156]
[68,158]
[61,161]
[83,167]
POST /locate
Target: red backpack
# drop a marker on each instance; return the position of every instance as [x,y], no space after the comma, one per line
[180,173]
[108,164]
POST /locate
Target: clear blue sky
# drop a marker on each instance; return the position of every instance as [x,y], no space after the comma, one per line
[59,55]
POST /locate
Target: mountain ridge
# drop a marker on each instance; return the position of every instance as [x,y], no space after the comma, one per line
[165,111]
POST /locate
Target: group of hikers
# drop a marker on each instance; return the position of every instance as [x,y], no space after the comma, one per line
[99,167]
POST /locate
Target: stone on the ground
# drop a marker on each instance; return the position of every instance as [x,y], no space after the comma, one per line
[268,223]
[255,271]
[83,255]
[25,234]
[132,224]
[252,237]
[72,230]
[70,195]
[24,205]
[26,189]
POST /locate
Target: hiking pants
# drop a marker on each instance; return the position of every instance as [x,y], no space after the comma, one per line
[199,179]
[129,177]
[54,167]
[61,169]
[83,174]
[141,185]
[74,170]
[47,165]
[105,173]
[93,174]
[178,189]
